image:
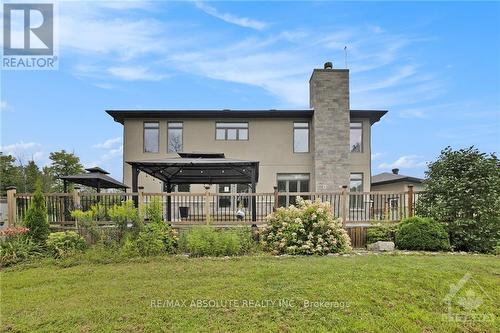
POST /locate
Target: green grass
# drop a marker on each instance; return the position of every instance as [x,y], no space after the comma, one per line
[398,293]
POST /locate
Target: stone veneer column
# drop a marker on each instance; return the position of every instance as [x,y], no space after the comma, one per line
[329,97]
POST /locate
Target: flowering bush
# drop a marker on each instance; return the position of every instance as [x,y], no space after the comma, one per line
[309,228]
[13,232]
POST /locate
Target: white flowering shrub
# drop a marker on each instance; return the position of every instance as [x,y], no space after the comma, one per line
[308,228]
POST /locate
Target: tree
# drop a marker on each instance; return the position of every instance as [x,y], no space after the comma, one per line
[463,191]
[63,164]
[32,174]
[9,173]
[36,219]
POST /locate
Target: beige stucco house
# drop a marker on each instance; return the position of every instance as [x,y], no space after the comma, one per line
[316,149]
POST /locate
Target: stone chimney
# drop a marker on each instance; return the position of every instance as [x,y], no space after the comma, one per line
[395,171]
[329,97]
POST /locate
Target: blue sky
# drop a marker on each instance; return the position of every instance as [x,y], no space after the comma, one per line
[434,66]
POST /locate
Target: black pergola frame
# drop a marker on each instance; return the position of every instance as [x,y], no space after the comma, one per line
[186,170]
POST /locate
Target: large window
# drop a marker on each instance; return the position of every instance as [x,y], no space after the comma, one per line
[231,131]
[174,143]
[356,185]
[151,137]
[291,183]
[356,137]
[301,137]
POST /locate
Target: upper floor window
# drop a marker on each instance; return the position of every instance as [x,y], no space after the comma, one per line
[151,137]
[231,131]
[300,137]
[356,137]
[174,140]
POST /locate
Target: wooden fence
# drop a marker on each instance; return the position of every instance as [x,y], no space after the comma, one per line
[356,210]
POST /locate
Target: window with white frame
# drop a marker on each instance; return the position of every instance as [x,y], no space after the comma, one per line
[151,137]
[174,139]
[291,183]
[231,131]
[300,137]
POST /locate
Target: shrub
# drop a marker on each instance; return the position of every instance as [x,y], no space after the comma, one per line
[207,241]
[60,244]
[36,219]
[153,211]
[381,232]
[17,249]
[155,238]
[309,228]
[124,216]
[463,190]
[87,221]
[419,233]
[475,235]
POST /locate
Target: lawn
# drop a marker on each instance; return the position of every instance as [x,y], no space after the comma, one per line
[356,293]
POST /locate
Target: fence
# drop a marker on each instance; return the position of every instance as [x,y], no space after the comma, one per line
[355,209]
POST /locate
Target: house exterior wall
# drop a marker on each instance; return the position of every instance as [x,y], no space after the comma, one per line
[270,141]
[361,162]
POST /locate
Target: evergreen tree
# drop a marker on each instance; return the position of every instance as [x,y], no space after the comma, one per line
[37,218]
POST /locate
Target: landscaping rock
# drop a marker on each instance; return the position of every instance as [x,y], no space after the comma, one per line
[381,246]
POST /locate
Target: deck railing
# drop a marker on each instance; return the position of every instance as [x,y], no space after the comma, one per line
[352,208]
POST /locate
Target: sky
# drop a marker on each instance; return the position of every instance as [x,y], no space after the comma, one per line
[435,66]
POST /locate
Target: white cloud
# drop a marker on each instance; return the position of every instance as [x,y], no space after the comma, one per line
[110,143]
[112,153]
[113,148]
[230,18]
[408,161]
[135,74]
[377,156]
[4,106]
[280,62]
[25,151]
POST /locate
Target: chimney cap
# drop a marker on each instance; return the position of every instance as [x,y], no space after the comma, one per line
[395,171]
[328,65]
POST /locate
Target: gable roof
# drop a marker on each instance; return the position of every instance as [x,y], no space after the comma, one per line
[122,114]
[388,177]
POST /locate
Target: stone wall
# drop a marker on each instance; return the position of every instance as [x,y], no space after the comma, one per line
[329,97]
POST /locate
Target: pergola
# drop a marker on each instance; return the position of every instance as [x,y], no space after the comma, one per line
[94,177]
[198,168]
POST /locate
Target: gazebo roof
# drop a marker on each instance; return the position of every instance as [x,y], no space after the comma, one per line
[200,168]
[95,177]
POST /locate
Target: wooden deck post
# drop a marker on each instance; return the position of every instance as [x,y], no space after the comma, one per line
[343,204]
[276,199]
[11,206]
[76,199]
[207,205]
[410,201]
[140,198]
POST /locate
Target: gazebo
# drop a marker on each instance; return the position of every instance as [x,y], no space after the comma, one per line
[198,168]
[94,177]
